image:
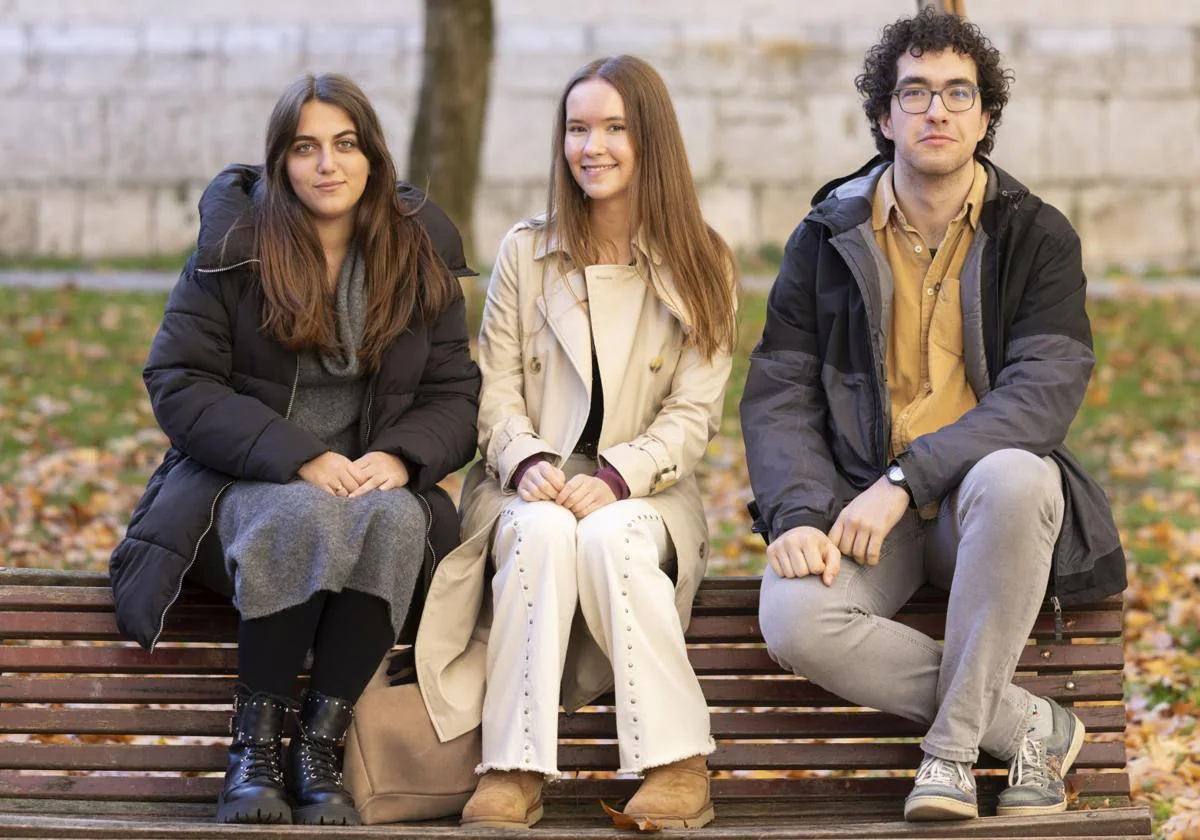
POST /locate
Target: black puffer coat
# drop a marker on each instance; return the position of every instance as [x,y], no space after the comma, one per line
[222,391]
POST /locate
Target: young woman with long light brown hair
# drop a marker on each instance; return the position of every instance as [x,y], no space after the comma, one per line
[605,350]
[313,376]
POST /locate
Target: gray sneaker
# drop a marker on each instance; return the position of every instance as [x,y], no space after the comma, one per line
[1036,773]
[944,790]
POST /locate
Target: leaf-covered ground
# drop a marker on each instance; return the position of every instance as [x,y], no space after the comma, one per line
[78,439]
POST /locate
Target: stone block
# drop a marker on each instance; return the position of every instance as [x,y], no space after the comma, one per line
[1021,139]
[1076,139]
[18,221]
[84,60]
[192,72]
[707,70]
[540,76]
[176,220]
[1155,60]
[59,221]
[180,39]
[239,129]
[838,140]
[697,123]
[517,138]
[730,211]
[396,115]
[781,208]
[14,59]
[1075,60]
[262,59]
[1133,226]
[116,221]
[53,138]
[645,40]
[526,37]
[499,206]
[1154,139]
[764,141]
[151,140]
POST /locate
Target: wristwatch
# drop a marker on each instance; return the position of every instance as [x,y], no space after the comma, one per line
[895,475]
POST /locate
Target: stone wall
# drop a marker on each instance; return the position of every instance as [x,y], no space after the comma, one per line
[114,113]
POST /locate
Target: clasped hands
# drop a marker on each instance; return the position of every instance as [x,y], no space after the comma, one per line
[582,494]
[339,476]
[858,533]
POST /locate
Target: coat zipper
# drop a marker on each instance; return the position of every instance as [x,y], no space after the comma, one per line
[431,567]
[212,518]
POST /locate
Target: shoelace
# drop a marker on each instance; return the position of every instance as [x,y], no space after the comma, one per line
[939,771]
[320,760]
[259,761]
[1030,766]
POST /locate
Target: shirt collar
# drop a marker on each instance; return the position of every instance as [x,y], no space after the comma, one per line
[885,204]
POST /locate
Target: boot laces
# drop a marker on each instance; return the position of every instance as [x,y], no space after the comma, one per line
[1030,766]
[261,761]
[941,771]
[320,760]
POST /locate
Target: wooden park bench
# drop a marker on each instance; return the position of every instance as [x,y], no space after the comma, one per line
[98,738]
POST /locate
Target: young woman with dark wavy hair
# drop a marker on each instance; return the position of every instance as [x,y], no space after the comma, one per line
[313,376]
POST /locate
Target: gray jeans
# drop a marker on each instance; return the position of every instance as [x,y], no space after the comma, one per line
[991,547]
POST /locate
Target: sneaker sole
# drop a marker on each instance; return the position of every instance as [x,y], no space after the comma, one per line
[938,809]
[1068,761]
[698,820]
[531,819]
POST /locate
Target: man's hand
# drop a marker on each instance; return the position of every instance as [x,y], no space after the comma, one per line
[380,471]
[335,474]
[541,482]
[864,523]
[804,551]
[585,494]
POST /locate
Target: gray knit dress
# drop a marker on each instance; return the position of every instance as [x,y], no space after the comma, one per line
[283,543]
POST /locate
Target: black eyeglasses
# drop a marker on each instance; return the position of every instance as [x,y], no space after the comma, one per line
[917,100]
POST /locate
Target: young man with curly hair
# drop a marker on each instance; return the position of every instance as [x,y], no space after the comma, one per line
[925,350]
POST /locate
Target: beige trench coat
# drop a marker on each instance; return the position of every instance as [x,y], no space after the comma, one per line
[662,405]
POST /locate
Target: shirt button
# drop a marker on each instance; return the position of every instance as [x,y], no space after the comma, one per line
[918,249]
[929,291]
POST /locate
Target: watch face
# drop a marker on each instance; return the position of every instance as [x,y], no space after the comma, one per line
[895,473]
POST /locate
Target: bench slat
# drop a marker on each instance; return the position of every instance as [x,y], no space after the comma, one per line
[715,596]
[738,756]
[204,789]
[784,691]
[219,624]
[89,721]
[128,659]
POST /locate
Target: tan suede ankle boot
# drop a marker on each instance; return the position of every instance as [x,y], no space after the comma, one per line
[505,799]
[674,795]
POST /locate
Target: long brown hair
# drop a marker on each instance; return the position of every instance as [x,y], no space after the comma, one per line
[405,279]
[663,196]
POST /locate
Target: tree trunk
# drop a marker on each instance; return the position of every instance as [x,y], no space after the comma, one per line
[949,7]
[447,137]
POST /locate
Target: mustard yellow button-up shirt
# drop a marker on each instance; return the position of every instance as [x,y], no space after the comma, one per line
[927,380]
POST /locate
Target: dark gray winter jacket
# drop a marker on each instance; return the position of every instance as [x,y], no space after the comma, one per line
[815,413]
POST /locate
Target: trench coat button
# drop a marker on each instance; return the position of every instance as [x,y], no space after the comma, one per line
[656,364]
[535,365]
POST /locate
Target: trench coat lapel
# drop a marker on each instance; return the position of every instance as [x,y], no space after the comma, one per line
[563,307]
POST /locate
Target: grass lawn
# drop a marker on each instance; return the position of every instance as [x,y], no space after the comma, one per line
[77,440]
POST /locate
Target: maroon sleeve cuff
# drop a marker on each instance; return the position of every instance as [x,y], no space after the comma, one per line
[612,478]
[519,472]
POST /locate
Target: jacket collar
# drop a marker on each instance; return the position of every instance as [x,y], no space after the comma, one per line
[846,202]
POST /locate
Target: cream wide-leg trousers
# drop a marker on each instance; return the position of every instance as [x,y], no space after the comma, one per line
[610,565]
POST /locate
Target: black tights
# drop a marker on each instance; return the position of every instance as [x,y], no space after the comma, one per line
[348,631]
